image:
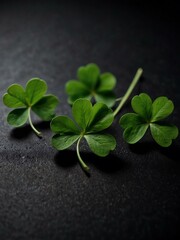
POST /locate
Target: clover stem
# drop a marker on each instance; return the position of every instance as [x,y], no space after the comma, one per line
[129,90]
[119,99]
[31,124]
[84,166]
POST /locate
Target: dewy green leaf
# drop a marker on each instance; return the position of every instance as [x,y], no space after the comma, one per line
[64,125]
[77,90]
[35,90]
[18,117]
[44,108]
[101,118]
[62,142]
[91,84]
[147,115]
[88,123]
[134,126]
[134,134]
[101,144]
[32,98]
[164,134]
[162,107]
[82,112]
[142,105]
[15,96]
[107,81]
[88,75]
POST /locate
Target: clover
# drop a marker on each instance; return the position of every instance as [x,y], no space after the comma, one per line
[89,122]
[91,84]
[148,114]
[31,98]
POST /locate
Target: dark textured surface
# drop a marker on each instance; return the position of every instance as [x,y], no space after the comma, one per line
[134,192]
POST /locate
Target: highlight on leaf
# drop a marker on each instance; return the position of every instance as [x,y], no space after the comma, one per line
[32,98]
[88,123]
[149,114]
[92,84]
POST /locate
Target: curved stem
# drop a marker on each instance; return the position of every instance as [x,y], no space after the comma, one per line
[84,166]
[129,91]
[31,124]
[119,99]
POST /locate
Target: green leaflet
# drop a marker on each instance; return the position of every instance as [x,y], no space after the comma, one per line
[82,111]
[88,75]
[15,96]
[142,105]
[45,107]
[107,81]
[101,144]
[35,90]
[134,134]
[18,117]
[77,90]
[100,119]
[64,125]
[164,134]
[162,107]
[61,142]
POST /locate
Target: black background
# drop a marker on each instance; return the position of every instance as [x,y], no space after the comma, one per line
[134,192]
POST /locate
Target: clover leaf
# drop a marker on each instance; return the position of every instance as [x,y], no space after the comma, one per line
[31,98]
[89,122]
[92,84]
[148,114]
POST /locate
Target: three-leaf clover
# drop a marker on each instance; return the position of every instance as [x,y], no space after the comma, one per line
[147,114]
[89,122]
[92,84]
[31,98]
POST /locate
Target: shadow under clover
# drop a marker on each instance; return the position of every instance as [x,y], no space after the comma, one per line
[25,131]
[172,152]
[108,164]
